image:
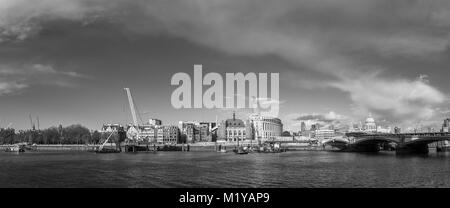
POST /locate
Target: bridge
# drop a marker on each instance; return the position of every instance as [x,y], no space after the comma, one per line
[340,143]
[370,142]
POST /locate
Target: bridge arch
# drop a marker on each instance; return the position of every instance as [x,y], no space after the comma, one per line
[334,140]
[370,143]
[375,140]
[340,143]
[423,141]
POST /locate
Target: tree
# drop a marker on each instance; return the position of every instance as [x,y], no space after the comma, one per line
[96,137]
[51,136]
[73,134]
[76,134]
[7,136]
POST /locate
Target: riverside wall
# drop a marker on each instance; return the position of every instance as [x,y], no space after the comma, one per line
[195,147]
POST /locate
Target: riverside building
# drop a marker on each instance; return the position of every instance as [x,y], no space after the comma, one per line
[110,128]
[147,133]
[159,134]
[195,131]
[446,126]
[171,134]
[266,128]
[321,134]
[190,130]
[234,130]
[155,122]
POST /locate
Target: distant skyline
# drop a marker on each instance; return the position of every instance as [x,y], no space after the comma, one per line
[67,61]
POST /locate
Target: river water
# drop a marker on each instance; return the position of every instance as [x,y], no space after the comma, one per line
[210,169]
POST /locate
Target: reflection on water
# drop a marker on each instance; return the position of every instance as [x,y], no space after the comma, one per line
[210,169]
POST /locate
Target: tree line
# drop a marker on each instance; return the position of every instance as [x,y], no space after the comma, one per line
[73,134]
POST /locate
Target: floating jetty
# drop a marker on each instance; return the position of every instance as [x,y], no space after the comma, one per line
[107,150]
[148,147]
[136,147]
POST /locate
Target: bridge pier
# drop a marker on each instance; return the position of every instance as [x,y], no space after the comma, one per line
[412,149]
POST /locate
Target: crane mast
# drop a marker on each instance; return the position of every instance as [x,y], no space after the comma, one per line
[133,110]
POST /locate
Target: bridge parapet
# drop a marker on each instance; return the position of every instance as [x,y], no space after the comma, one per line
[401,135]
[406,142]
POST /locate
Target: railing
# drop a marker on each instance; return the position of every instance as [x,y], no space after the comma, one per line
[427,134]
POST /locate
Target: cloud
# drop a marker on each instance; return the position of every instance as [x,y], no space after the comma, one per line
[253,26]
[397,100]
[14,78]
[325,120]
[328,117]
[10,87]
[315,35]
[47,69]
[23,19]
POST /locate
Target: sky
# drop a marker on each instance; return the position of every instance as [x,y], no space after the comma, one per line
[67,61]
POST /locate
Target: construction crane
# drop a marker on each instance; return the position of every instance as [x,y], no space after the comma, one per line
[132,108]
[133,112]
[106,141]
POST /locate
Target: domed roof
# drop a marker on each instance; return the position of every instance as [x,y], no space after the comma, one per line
[370,119]
[234,122]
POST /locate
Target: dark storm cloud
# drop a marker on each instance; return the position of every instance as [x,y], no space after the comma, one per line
[316,35]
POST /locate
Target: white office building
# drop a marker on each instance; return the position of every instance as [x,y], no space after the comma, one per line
[266,128]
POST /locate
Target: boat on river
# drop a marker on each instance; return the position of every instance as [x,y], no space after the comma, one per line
[16,148]
[169,148]
[240,151]
[271,147]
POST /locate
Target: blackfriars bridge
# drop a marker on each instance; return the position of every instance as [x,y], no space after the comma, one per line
[370,142]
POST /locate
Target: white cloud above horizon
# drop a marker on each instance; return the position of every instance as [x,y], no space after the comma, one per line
[14,78]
